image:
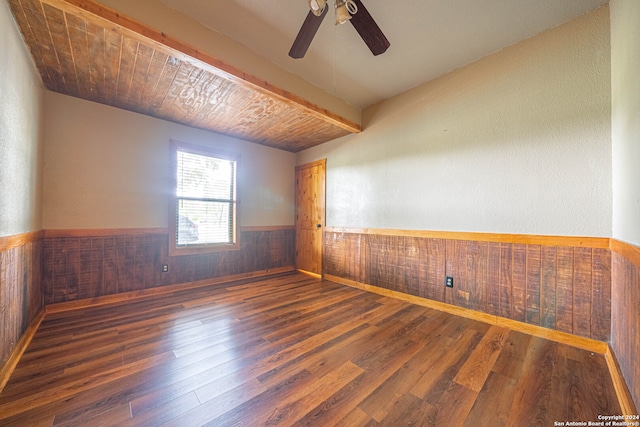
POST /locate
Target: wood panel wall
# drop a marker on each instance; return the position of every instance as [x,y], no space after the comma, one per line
[565,288]
[79,265]
[625,310]
[21,295]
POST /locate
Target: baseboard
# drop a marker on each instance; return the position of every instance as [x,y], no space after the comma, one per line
[624,397]
[538,331]
[126,296]
[310,273]
[7,369]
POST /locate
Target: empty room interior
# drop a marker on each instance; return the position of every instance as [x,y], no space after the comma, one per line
[340,213]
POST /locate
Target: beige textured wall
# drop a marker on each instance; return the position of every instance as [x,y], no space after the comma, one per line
[155,14]
[21,94]
[108,168]
[518,142]
[625,126]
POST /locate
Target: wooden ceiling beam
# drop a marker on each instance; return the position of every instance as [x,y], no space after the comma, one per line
[121,24]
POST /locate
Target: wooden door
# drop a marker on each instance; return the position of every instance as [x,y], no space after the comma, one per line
[310,207]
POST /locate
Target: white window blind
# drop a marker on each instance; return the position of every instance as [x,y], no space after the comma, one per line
[205,199]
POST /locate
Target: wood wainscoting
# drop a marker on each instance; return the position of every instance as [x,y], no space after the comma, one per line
[559,283]
[625,319]
[21,295]
[82,264]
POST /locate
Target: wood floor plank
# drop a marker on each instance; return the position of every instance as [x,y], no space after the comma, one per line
[323,359]
[289,410]
[378,404]
[533,399]
[28,418]
[43,396]
[493,405]
[294,350]
[357,418]
[257,409]
[453,407]
[579,378]
[407,410]
[451,353]
[514,351]
[340,404]
[192,372]
[475,370]
[113,414]
[158,414]
[212,409]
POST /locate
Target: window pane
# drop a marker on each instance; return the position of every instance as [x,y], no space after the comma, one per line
[201,222]
[204,177]
[205,205]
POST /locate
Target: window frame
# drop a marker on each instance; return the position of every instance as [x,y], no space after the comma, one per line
[189,249]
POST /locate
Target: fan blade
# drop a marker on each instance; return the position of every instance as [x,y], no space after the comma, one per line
[369,30]
[307,32]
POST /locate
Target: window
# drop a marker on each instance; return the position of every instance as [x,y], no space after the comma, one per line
[204,207]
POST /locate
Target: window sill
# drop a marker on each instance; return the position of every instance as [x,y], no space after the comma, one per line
[203,249]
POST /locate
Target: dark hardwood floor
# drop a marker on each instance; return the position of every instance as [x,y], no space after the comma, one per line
[294,350]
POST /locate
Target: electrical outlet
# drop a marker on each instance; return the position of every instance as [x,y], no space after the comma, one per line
[165,268]
[448,282]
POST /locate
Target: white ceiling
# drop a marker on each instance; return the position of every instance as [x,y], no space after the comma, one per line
[428,37]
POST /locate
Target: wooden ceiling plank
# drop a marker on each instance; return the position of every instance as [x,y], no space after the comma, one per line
[213,95]
[203,93]
[168,74]
[182,89]
[152,80]
[96,47]
[315,132]
[265,114]
[182,75]
[140,74]
[78,40]
[29,37]
[191,96]
[57,25]
[218,105]
[93,11]
[38,25]
[127,65]
[244,116]
[112,52]
[259,122]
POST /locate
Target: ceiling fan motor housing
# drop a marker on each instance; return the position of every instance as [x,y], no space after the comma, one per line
[317,6]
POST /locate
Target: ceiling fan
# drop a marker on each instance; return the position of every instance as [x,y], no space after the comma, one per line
[346,10]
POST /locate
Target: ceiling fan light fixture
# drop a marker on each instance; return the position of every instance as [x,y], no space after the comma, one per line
[317,6]
[343,11]
[363,23]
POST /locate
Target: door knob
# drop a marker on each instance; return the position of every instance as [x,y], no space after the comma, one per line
[318,225]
